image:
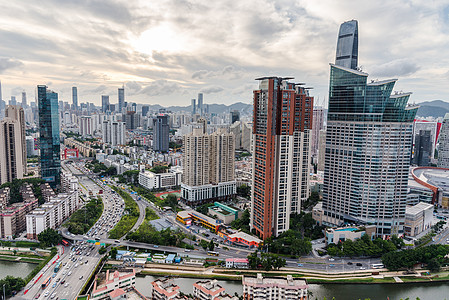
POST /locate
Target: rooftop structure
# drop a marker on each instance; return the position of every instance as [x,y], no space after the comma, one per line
[260,288]
[113,281]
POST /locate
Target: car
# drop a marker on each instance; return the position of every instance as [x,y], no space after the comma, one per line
[155,246]
[331,259]
[53,295]
[62,282]
[358,264]
[37,296]
[81,277]
[54,284]
[186,250]
[46,293]
[362,268]
[300,265]
[66,285]
[349,263]
[331,265]
[54,275]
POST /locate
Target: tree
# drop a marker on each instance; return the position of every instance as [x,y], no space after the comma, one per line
[244,191]
[12,284]
[49,237]
[113,253]
[204,244]
[211,246]
[102,250]
[242,223]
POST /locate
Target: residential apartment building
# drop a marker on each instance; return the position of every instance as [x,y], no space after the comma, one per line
[164,289]
[86,126]
[113,281]
[368,148]
[113,132]
[207,290]
[52,213]
[281,153]
[259,288]
[208,161]
[13,156]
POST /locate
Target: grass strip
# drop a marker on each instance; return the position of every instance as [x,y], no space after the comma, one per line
[129,219]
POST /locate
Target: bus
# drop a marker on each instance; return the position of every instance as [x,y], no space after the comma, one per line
[57,267]
[65,243]
[377,266]
[213,253]
[46,282]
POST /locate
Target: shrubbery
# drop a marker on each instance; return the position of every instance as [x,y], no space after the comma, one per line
[82,220]
[128,220]
[365,247]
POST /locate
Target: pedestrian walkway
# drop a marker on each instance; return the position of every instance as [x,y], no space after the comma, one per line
[397,279]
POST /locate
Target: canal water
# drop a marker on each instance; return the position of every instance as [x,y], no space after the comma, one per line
[425,291]
[16,269]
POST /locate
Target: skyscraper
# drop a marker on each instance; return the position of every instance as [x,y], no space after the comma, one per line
[145,109]
[104,103]
[423,148]
[161,131]
[317,125]
[75,97]
[208,161]
[24,99]
[443,144]
[200,104]
[50,159]
[348,45]
[281,153]
[121,98]
[235,116]
[193,106]
[13,101]
[368,147]
[13,157]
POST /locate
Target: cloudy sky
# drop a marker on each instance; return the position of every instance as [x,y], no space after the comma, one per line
[165,52]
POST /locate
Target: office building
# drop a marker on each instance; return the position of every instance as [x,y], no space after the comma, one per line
[433,127]
[208,161]
[199,108]
[348,45]
[193,106]
[13,101]
[260,288]
[132,120]
[13,156]
[121,98]
[368,148]
[321,150]
[24,99]
[145,109]
[422,152]
[50,159]
[154,181]
[443,144]
[161,133]
[235,129]
[104,103]
[235,116]
[281,154]
[418,219]
[75,97]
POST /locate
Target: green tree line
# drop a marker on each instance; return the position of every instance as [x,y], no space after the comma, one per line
[84,218]
[365,247]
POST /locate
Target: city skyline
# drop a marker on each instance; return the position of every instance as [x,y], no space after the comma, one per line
[99,48]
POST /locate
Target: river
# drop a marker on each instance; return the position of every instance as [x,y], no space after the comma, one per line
[425,291]
[16,269]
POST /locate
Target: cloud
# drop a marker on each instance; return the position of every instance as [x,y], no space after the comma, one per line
[98,90]
[211,89]
[398,67]
[8,63]
[160,88]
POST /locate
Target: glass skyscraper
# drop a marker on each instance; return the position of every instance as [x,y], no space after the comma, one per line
[368,147]
[50,159]
[348,45]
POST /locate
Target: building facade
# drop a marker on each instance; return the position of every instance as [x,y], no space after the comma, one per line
[259,288]
[13,155]
[422,153]
[368,148]
[161,133]
[281,153]
[50,158]
[208,161]
[443,144]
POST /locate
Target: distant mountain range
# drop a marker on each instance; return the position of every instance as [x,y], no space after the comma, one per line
[435,108]
[213,108]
